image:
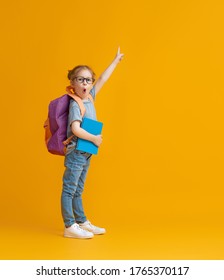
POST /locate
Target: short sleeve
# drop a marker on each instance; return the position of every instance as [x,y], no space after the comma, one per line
[93,93]
[74,113]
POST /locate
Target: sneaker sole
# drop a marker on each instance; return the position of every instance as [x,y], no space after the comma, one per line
[97,233]
[78,237]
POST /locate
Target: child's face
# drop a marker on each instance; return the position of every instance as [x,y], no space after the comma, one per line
[82,83]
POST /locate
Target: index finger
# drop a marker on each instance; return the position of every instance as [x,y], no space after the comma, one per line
[118,50]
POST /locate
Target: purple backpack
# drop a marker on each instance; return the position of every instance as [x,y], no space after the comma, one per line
[57,121]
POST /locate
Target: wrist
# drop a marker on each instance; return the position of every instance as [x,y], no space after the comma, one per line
[93,138]
[116,60]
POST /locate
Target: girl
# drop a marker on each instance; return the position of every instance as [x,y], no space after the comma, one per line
[77,163]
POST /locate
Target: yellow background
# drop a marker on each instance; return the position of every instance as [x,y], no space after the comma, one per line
[157,183]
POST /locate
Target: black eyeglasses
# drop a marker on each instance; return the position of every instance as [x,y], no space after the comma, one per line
[81,80]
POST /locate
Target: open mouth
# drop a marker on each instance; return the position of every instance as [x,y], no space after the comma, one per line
[84,90]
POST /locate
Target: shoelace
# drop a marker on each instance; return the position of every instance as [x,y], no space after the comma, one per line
[79,228]
[92,226]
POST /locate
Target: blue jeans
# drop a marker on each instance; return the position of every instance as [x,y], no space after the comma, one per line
[77,164]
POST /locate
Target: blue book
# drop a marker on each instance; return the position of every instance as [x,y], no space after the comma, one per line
[93,127]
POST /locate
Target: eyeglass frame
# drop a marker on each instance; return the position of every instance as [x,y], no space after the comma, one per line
[84,79]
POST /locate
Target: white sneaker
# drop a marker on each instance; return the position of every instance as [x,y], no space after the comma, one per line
[75,231]
[91,228]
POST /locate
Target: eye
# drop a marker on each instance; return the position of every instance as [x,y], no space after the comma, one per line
[79,79]
[89,80]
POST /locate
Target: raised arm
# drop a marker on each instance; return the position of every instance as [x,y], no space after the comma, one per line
[107,73]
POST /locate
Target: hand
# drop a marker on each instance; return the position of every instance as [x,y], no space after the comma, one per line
[119,55]
[97,140]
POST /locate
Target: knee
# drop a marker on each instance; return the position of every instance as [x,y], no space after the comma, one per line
[69,190]
[78,193]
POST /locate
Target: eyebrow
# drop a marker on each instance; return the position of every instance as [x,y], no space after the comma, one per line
[84,77]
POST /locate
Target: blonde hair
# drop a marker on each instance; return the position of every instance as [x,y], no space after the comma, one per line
[73,73]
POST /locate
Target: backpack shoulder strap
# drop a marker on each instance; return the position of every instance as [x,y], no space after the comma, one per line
[71,93]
